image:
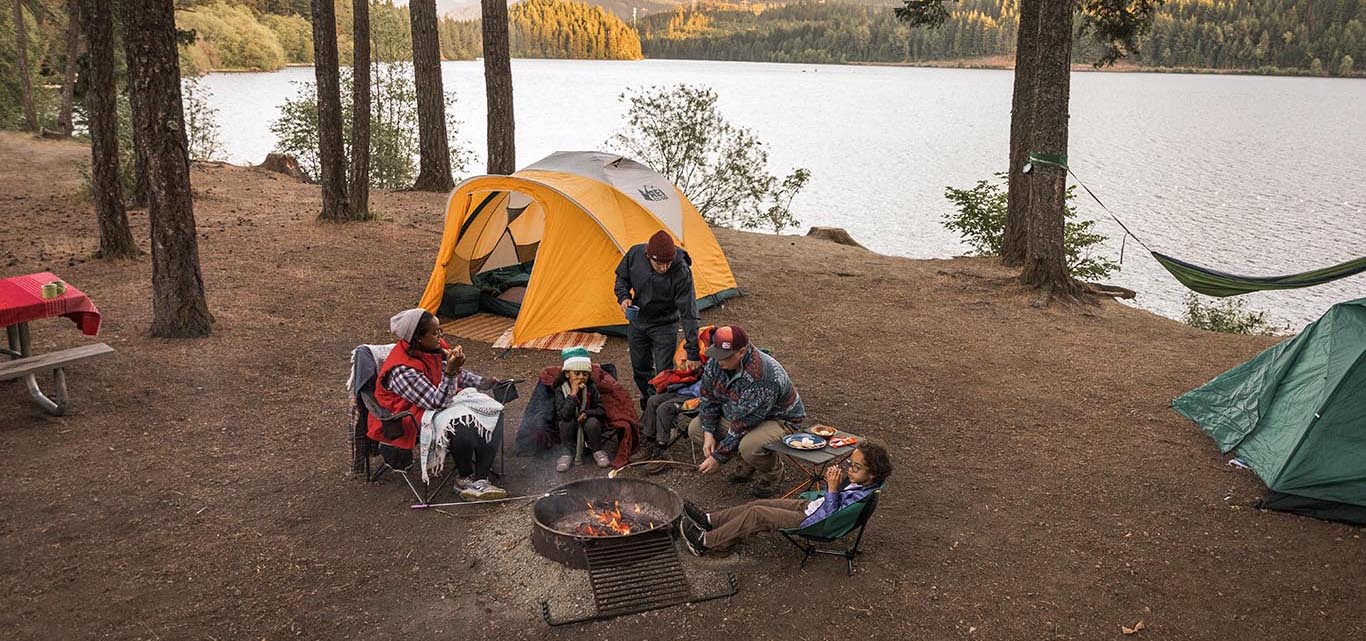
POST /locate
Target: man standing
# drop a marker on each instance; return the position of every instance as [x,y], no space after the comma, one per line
[746,398]
[655,289]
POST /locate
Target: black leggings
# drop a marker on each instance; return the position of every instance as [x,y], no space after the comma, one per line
[473,455]
[592,435]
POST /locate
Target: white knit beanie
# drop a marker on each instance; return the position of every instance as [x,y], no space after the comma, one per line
[576,359]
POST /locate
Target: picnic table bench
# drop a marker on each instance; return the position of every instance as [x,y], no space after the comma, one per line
[21,301]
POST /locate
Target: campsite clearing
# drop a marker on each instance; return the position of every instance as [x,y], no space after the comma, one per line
[1044,488]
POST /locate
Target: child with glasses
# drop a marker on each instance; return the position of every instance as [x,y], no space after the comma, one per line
[868,467]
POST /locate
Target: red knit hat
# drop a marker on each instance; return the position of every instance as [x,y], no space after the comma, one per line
[661,247]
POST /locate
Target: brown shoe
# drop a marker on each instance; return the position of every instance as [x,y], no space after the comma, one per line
[744,472]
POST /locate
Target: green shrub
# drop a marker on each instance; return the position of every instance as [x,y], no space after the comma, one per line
[980,219]
[1230,316]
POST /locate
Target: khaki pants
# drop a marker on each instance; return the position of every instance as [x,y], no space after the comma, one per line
[731,525]
[751,450]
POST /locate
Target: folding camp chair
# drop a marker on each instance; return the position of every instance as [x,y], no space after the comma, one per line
[851,517]
[396,460]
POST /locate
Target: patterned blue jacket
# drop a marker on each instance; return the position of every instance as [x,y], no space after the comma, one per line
[734,402]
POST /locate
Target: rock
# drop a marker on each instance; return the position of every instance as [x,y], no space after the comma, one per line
[285,164]
[834,235]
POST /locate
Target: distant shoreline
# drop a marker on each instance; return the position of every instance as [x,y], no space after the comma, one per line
[1002,63]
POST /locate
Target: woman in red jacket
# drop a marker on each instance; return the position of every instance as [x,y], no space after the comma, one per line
[421,374]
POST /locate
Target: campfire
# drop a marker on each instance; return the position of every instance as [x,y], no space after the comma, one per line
[602,520]
[601,513]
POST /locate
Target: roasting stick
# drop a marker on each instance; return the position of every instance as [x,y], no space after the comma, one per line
[423,506]
[613,474]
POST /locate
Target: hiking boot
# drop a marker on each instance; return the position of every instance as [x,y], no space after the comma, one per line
[693,537]
[643,453]
[698,515]
[765,485]
[600,457]
[483,490]
[562,463]
[743,473]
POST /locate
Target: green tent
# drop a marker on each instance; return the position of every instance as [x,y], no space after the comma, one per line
[1296,413]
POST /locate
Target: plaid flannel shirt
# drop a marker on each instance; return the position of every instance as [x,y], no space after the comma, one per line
[418,390]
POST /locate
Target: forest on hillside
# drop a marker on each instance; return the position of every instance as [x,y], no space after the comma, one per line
[1323,37]
[557,29]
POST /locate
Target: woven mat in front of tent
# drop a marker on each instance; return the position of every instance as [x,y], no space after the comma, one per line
[587,340]
[486,328]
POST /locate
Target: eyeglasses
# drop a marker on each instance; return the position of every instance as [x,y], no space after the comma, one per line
[857,467]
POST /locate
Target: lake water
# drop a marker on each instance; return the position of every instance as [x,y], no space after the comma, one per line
[1253,175]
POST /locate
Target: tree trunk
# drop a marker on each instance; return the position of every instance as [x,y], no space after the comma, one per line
[360,110]
[1045,265]
[178,306]
[73,53]
[498,88]
[331,155]
[101,100]
[1013,241]
[138,199]
[25,82]
[434,154]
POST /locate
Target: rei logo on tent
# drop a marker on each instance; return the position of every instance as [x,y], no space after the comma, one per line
[652,193]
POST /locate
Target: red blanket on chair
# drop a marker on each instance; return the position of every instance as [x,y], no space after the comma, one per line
[621,410]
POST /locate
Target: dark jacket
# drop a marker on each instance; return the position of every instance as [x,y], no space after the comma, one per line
[538,432]
[568,408]
[663,299]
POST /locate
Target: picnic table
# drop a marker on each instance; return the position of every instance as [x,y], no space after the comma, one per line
[21,301]
[813,462]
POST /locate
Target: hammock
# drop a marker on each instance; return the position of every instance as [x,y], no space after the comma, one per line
[1212,282]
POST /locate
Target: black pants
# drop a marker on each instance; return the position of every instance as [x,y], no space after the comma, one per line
[652,351]
[661,412]
[592,435]
[473,455]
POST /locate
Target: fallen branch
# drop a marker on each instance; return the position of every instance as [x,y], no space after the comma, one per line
[1113,291]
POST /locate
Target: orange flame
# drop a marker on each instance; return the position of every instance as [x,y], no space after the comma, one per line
[608,521]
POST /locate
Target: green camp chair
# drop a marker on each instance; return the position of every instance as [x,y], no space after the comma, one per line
[835,527]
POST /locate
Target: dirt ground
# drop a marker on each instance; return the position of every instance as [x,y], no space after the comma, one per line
[198,490]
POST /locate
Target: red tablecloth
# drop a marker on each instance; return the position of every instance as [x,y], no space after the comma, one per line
[21,300]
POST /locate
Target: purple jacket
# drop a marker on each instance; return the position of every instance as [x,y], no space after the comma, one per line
[835,501]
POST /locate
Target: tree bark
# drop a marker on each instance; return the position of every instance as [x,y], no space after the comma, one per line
[1045,265]
[360,110]
[1013,241]
[138,199]
[178,306]
[434,154]
[25,82]
[331,155]
[73,53]
[498,88]
[116,239]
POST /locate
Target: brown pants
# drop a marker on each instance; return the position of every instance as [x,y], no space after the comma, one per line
[751,449]
[731,525]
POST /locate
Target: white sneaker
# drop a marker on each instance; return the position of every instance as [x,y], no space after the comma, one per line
[482,490]
[562,463]
[601,458]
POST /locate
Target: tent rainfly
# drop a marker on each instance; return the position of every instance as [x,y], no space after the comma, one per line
[543,244]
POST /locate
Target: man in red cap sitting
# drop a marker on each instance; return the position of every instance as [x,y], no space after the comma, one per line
[747,398]
[655,289]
